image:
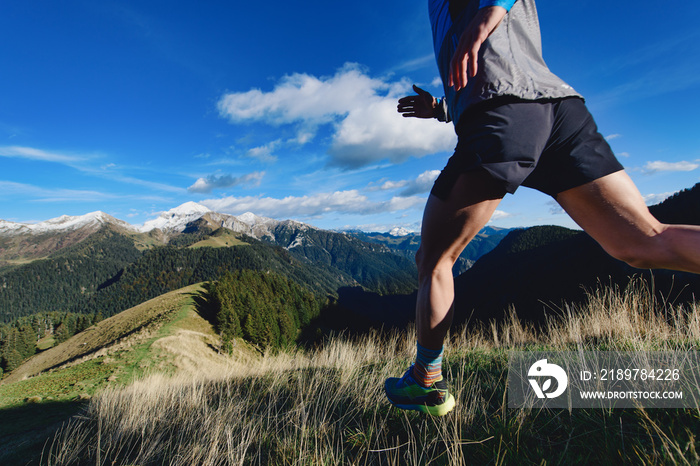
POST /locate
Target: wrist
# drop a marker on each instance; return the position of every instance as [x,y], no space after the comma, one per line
[440,110]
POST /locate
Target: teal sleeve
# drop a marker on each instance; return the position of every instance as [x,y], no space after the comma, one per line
[507,4]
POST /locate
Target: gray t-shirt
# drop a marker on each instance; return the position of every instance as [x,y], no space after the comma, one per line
[510,60]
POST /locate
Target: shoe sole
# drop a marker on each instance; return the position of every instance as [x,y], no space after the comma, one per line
[438,410]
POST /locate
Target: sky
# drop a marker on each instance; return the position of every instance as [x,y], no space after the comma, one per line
[288,109]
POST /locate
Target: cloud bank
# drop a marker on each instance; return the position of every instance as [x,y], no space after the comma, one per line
[661,166]
[346,202]
[211,182]
[361,112]
[37,154]
[420,185]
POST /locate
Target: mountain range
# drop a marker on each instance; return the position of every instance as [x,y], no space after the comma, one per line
[98,263]
[21,241]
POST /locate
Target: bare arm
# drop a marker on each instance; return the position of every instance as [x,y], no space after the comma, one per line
[464,62]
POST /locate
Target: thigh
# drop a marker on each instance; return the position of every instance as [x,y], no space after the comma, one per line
[612,211]
[449,224]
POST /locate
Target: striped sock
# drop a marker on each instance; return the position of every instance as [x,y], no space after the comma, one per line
[428,366]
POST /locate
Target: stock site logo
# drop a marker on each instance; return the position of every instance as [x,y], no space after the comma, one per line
[547,372]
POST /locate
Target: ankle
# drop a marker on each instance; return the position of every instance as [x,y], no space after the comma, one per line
[428,366]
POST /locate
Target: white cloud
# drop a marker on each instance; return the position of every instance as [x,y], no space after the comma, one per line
[416,63]
[304,136]
[651,199]
[498,215]
[361,110]
[420,185]
[11,187]
[661,166]
[302,97]
[264,153]
[145,183]
[390,185]
[37,154]
[555,208]
[376,131]
[39,194]
[211,182]
[345,202]
[612,136]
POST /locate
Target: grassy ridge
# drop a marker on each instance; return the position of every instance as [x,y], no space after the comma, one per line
[163,335]
[143,319]
[326,406]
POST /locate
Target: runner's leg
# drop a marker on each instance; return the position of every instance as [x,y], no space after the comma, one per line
[448,226]
[613,212]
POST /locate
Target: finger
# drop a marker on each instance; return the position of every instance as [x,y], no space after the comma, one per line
[460,72]
[452,77]
[474,61]
[459,67]
[420,91]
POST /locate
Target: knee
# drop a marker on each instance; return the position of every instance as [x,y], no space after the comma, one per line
[431,264]
[422,262]
[633,257]
[643,253]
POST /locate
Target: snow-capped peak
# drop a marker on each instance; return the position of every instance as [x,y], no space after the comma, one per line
[188,208]
[399,231]
[62,223]
[177,218]
[251,219]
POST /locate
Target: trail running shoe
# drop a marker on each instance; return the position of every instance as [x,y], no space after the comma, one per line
[406,393]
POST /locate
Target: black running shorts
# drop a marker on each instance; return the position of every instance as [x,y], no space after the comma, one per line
[550,145]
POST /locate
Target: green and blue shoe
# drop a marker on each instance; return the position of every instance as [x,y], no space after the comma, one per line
[406,393]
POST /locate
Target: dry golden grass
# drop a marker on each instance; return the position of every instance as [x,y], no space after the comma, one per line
[326,406]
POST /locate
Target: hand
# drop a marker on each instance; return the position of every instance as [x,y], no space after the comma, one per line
[464,61]
[418,106]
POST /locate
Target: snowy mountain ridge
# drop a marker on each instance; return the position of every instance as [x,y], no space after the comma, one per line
[62,223]
[168,222]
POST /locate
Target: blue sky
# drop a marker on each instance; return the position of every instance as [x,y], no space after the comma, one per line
[287,109]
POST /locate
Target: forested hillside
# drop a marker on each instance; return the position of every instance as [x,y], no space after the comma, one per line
[68,279]
[27,335]
[106,273]
[167,268]
[265,309]
[366,262]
